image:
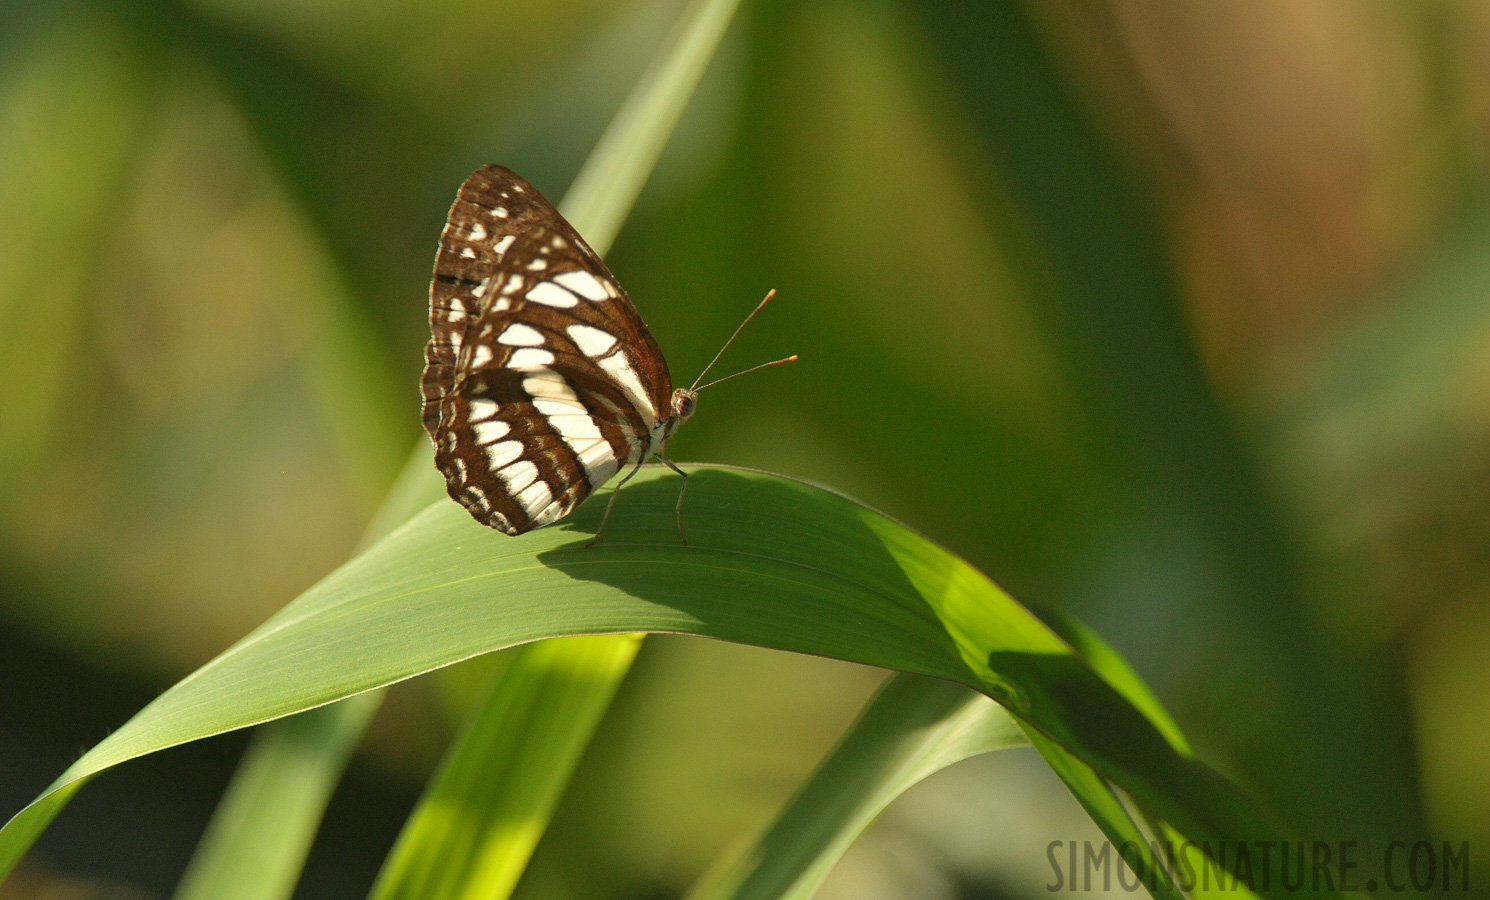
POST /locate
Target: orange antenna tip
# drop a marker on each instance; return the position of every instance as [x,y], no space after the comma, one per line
[758,307]
[774,362]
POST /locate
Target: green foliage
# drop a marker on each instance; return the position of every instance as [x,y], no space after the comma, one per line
[995,348]
[771,562]
[267,820]
[914,728]
[486,808]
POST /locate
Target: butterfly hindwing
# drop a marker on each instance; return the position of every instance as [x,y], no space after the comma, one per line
[541,380]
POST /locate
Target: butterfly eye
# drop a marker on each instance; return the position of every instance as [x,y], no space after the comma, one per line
[683,403]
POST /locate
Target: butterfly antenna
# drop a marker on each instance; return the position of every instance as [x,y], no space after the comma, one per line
[769,294]
[792,358]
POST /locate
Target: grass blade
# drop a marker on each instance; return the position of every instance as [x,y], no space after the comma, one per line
[771,562]
[477,824]
[605,189]
[262,830]
[913,728]
[266,824]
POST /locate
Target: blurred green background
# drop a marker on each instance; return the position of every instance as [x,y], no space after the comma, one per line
[1172,315]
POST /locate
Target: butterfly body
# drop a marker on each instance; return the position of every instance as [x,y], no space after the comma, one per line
[541,380]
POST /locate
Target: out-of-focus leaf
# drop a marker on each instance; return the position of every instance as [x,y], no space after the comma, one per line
[607,186]
[1111,300]
[1096,796]
[473,831]
[913,728]
[70,107]
[264,826]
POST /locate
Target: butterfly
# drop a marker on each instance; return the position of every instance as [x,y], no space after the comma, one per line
[541,381]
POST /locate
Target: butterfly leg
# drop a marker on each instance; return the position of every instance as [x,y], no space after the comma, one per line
[613,495]
[681,491]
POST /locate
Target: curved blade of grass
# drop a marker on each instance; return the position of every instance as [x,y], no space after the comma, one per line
[772,562]
[260,834]
[265,824]
[477,824]
[608,184]
[256,843]
[1099,800]
[1094,794]
[914,727]
[1116,672]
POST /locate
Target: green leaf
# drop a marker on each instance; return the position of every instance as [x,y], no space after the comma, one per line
[1116,671]
[1093,793]
[262,830]
[258,838]
[913,728]
[62,176]
[476,826]
[1107,810]
[605,189]
[773,562]
[275,846]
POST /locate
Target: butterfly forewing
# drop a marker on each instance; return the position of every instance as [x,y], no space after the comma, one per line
[541,381]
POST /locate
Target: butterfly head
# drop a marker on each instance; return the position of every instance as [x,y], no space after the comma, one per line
[684,400]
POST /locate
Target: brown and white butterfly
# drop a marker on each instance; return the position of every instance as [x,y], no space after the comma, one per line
[541,380]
